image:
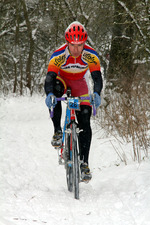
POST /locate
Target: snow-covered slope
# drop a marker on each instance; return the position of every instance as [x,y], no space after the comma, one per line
[33,186]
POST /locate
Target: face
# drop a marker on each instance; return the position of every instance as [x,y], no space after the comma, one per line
[76,49]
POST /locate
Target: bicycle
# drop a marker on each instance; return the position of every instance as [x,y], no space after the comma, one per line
[69,150]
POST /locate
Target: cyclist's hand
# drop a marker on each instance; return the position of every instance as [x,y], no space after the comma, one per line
[95,99]
[51,100]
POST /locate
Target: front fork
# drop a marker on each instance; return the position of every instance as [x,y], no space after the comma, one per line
[69,131]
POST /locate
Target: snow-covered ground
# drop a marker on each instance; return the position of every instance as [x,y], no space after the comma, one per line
[33,187]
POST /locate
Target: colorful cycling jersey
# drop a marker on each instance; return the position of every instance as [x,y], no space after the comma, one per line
[71,68]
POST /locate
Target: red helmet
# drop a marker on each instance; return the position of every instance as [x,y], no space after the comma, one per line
[76,33]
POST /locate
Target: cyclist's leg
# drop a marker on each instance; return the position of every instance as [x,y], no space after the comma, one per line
[59,89]
[57,117]
[85,136]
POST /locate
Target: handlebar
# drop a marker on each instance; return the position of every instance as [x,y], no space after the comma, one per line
[66,98]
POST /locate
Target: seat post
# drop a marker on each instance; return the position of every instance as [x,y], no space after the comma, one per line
[68,92]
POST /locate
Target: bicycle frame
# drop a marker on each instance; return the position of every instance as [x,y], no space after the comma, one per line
[70,115]
[68,118]
[70,137]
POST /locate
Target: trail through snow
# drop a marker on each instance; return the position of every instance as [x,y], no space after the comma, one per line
[33,188]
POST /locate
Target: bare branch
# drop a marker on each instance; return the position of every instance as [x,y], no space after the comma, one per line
[70,10]
[133,18]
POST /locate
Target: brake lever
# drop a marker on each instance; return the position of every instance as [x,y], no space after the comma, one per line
[94,108]
[52,108]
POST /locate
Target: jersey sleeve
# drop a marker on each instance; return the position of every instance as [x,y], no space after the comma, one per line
[52,67]
[57,59]
[91,57]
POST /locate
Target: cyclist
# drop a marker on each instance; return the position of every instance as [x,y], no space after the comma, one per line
[69,66]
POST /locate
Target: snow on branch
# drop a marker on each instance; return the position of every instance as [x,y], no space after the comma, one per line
[134,20]
[11,29]
[70,10]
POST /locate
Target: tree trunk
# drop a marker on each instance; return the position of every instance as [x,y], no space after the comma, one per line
[16,46]
[31,47]
[121,71]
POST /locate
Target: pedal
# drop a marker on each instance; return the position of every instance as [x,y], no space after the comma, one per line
[56,143]
[86,177]
[57,147]
[85,181]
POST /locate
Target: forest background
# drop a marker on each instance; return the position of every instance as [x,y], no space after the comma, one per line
[119,30]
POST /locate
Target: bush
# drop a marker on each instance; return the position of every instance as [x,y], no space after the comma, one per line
[127,115]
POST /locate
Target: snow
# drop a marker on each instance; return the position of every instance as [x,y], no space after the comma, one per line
[33,187]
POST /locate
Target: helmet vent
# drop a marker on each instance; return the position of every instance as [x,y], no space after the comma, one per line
[76,33]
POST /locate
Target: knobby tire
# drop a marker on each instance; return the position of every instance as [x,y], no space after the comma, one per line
[69,167]
[75,162]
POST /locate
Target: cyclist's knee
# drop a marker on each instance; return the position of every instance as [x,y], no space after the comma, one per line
[58,88]
[86,112]
[84,116]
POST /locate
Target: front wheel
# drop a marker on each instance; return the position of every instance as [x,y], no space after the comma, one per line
[75,162]
[69,175]
[68,162]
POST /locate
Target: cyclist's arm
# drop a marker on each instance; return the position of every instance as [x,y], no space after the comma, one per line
[98,82]
[52,72]
[95,69]
[55,62]
[49,82]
